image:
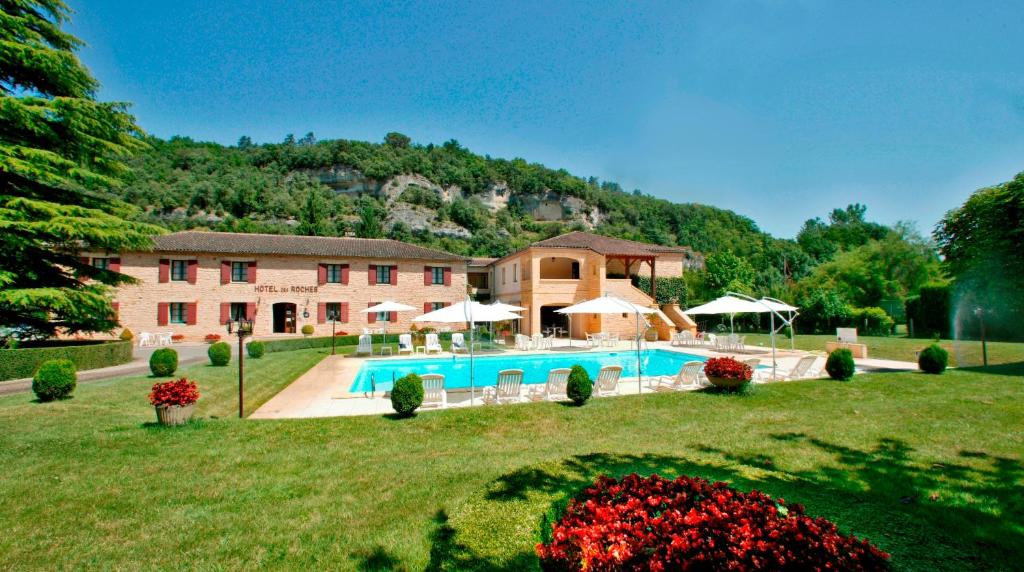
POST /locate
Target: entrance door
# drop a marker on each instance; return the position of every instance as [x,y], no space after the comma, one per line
[284,318]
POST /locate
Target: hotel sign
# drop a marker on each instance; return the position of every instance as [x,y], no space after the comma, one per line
[284,289]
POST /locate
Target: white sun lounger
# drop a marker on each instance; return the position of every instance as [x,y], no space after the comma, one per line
[365,345]
[607,382]
[507,388]
[432,344]
[804,369]
[434,394]
[459,343]
[556,387]
[405,344]
[688,377]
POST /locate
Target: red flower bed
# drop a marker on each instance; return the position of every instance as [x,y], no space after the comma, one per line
[211,338]
[341,333]
[177,337]
[728,368]
[690,523]
[178,392]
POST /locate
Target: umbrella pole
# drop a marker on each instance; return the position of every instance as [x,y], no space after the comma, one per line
[639,374]
[773,346]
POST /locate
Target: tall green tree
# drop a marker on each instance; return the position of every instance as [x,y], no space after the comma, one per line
[727,272]
[313,216]
[982,244]
[61,155]
[370,225]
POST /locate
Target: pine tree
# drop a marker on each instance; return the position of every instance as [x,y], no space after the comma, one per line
[61,154]
[313,216]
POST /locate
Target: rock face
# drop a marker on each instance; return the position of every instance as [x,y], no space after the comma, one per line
[547,206]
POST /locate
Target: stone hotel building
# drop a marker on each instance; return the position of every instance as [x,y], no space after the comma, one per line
[192,282]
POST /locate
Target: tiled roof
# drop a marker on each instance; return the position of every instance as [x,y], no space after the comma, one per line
[481,261]
[605,245]
[241,243]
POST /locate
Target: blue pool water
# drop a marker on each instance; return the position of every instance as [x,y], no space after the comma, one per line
[535,367]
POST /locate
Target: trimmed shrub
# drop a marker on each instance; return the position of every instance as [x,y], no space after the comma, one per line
[653,523]
[55,379]
[407,394]
[671,289]
[127,335]
[307,330]
[163,362]
[840,364]
[930,311]
[26,359]
[220,353]
[289,344]
[579,387]
[872,321]
[933,359]
[255,349]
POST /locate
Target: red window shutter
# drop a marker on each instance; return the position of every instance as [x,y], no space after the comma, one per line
[447,275]
[84,260]
[371,318]
[321,275]
[250,310]
[193,271]
[428,275]
[225,271]
[252,272]
[190,313]
[394,275]
[115,264]
[225,312]
[117,309]
[427,307]
[344,312]
[446,304]
[163,311]
[344,273]
[391,316]
[321,312]
[372,275]
[165,270]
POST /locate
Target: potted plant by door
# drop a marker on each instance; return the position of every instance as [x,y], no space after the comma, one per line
[727,373]
[174,401]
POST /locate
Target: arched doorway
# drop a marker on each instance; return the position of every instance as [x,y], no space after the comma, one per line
[284,318]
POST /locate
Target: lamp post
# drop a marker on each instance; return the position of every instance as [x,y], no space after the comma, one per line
[242,328]
[333,317]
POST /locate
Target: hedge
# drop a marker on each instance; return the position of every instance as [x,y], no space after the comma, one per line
[290,344]
[23,362]
[671,289]
[930,311]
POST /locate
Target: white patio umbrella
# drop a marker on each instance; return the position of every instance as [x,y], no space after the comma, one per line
[612,305]
[729,305]
[470,312]
[387,306]
[504,306]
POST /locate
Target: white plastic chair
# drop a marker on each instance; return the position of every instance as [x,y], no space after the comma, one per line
[365,345]
[433,344]
[145,339]
[607,382]
[405,344]
[711,340]
[688,377]
[754,363]
[434,394]
[507,388]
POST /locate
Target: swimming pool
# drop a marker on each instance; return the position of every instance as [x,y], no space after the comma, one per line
[535,367]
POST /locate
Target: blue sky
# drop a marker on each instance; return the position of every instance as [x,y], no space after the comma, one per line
[778,110]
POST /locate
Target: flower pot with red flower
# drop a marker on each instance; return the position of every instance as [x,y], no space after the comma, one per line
[174,401]
[727,373]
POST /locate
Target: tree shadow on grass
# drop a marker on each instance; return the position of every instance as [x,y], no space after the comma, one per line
[939,516]
[378,559]
[1015,369]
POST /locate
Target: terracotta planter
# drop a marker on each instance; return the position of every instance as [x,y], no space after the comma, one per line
[727,382]
[174,414]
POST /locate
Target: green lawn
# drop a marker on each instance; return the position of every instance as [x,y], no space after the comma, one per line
[967,353]
[929,468]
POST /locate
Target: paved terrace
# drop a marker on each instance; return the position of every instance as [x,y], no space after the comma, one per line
[323,390]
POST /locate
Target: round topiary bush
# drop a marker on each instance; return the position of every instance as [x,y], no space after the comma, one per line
[579,387]
[127,335]
[307,330]
[220,353]
[653,523]
[933,359]
[55,379]
[840,364]
[163,362]
[256,349]
[407,394]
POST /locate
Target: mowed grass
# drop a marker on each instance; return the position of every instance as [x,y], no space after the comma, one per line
[927,467]
[965,353]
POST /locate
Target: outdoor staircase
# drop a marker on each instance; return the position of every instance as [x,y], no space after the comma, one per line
[681,321]
[660,321]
